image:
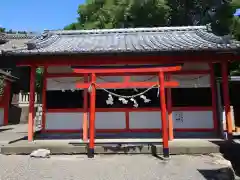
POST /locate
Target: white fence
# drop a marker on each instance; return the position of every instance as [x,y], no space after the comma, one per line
[22,99]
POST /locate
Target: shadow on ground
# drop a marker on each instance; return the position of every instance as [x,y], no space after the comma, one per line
[178,135]
[231,151]
[5,129]
[218,174]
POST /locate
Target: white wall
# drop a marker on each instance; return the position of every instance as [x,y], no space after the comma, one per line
[195,66]
[64,121]
[193,119]
[110,120]
[145,120]
[137,120]
[187,119]
[63,83]
[113,120]
[59,69]
[192,81]
[1,116]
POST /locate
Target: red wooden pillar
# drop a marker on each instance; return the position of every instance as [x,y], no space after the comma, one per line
[6,99]
[92,117]
[214,99]
[44,91]
[31,104]
[169,109]
[163,116]
[85,111]
[226,98]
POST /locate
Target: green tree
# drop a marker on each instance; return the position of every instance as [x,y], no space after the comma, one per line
[98,14]
[235,28]
[121,14]
[39,79]
[2,29]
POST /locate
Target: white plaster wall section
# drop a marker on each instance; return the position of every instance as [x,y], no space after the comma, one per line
[63,83]
[110,120]
[195,66]
[66,121]
[145,120]
[67,69]
[192,81]
[1,116]
[144,78]
[59,69]
[108,79]
[193,119]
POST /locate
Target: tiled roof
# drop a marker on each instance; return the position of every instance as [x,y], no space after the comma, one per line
[9,42]
[167,39]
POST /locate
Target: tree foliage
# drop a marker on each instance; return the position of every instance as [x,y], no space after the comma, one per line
[2,29]
[101,14]
[98,14]
[39,79]
[235,27]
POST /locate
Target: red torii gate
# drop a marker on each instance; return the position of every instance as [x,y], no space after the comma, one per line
[126,71]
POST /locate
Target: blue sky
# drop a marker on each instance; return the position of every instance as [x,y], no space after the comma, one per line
[37,15]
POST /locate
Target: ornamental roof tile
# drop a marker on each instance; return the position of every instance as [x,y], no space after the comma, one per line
[7,75]
[143,40]
[10,42]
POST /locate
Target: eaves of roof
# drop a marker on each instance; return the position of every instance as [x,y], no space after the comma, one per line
[132,40]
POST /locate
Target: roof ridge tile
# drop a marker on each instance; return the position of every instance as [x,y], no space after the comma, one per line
[127,30]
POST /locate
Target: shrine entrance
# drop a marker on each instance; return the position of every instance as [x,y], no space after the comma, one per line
[127,72]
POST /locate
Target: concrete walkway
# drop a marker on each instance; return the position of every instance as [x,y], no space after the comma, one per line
[13,140]
[116,146]
[12,133]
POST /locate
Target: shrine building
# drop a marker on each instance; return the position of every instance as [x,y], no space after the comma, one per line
[136,80]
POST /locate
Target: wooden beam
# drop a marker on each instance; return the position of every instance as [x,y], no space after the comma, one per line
[104,60]
[112,85]
[128,70]
[182,72]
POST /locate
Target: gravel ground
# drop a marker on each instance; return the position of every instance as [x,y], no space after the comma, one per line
[109,167]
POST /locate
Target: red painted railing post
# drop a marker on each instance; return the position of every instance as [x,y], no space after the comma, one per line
[169,109]
[44,91]
[31,104]
[85,111]
[226,98]
[6,99]
[214,99]
[163,116]
[92,116]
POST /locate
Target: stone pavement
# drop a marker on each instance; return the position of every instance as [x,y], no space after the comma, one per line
[126,146]
[113,167]
[13,141]
[12,133]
